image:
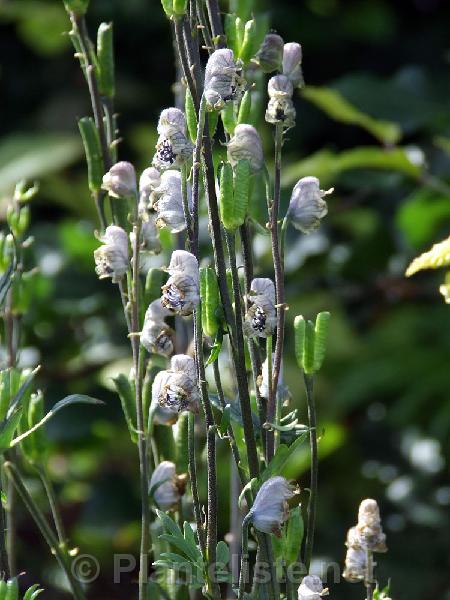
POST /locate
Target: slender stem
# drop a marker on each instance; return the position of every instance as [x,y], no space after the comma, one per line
[309,384]
[250,441]
[57,550]
[216,22]
[142,438]
[369,580]
[4,564]
[194,483]
[279,286]
[203,25]
[49,490]
[178,27]
[186,209]
[243,576]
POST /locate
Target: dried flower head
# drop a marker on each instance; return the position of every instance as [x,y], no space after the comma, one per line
[181,292]
[111,259]
[166,487]
[223,79]
[246,145]
[270,508]
[168,202]
[292,63]
[173,147]
[311,588]
[156,335]
[120,180]
[280,108]
[270,54]
[176,389]
[307,205]
[261,316]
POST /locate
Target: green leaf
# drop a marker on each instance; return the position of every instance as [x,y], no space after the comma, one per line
[32,592]
[339,108]
[222,553]
[225,420]
[67,401]
[175,537]
[32,156]
[282,457]
[8,429]
[127,399]
[328,165]
[421,215]
[294,535]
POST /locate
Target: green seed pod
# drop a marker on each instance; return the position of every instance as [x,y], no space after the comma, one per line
[245,108]
[308,348]
[24,220]
[125,389]
[35,445]
[105,64]
[91,142]
[241,191]
[12,589]
[213,119]
[231,34]
[320,339]
[179,7]
[226,199]
[191,116]
[299,339]
[209,293]
[165,442]
[2,589]
[228,118]
[78,7]
[250,42]
[182,443]
[240,33]
[168,7]
[242,8]
[154,281]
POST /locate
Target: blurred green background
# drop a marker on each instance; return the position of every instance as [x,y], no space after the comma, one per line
[383,394]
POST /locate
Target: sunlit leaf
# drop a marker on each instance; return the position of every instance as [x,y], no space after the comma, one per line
[438,256]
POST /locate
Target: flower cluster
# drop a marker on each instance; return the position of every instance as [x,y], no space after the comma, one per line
[366,536]
[181,293]
[307,206]
[261,316]
[223,79]
[173,147]
[176,389]
[156,335]
[270,508]
[111,259]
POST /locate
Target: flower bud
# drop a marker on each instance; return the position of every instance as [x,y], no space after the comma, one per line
[292,63]
[168,202]
[223,79]
[280,108]
[156,335]
[270,508]
[165,486]
[246,145]
[181,292]
[270,54]
[311,588]
[261,317]
[111,259]
[307,206]
[120,180]
[177,389]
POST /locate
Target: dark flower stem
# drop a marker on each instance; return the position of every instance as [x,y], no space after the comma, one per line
[4,563]
[369,580]
[216,23]
[309,385]
[274,206]
[194,484]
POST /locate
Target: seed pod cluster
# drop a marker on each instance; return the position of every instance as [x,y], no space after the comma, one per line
[310,342]
[234,194]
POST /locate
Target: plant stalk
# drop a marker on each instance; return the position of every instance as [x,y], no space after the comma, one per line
[312,504]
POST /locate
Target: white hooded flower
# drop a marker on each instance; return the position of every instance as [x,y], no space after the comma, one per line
[156,335]
[177,388]
[307,206]
[355,564]
[280,108]
[270,54]
[168,202]
[292,63]
[173,147]
[223,79]
[120,180]
[149,180]
[261,316]
[111,259]
[246,145]
[368,528]
[270,508]
[181,293]
[165,487]
[311,588]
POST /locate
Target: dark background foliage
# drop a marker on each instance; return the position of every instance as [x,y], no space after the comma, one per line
[383,395]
